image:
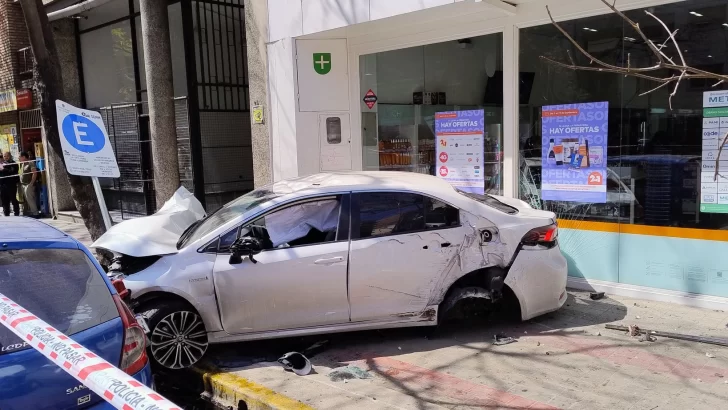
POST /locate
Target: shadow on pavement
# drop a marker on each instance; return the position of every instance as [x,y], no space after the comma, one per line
[578,311]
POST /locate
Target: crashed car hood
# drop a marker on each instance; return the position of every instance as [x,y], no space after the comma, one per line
[155,234]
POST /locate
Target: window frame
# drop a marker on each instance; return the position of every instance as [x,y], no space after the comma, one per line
[356,214]
[343,228]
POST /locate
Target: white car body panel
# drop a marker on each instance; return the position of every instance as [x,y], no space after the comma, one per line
[538,279]
[393,281]
[286,288]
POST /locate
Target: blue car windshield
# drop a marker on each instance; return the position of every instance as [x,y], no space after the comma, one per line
[60,286]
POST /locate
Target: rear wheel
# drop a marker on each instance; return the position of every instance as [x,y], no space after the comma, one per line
[177,335]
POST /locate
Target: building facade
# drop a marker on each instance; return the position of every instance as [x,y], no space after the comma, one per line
[360,85]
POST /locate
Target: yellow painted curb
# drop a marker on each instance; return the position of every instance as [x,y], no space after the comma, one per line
[229,389]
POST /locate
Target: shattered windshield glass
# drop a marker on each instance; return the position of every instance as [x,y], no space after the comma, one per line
[227,213]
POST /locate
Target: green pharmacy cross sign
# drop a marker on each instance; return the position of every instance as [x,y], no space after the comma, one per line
[322,63]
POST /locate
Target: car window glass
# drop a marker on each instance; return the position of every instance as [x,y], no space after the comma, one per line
[60,286]
[226,240]
[228,212]
[440,215]
[387,213]
[307,223]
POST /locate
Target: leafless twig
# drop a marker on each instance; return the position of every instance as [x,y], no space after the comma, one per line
[664,62]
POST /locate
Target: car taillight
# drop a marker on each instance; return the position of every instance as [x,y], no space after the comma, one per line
[544,235]
[121,289]
[134,354]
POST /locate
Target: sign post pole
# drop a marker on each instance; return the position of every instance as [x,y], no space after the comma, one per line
[102,202]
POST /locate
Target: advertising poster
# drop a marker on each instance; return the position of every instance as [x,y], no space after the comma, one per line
[574,152]
[8,142]
[460,136]
[714,193]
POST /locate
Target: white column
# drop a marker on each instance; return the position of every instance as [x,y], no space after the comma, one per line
[510,111]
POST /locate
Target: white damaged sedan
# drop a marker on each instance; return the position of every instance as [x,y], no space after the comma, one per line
[330,253]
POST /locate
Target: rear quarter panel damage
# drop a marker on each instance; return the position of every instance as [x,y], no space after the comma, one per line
[408,275]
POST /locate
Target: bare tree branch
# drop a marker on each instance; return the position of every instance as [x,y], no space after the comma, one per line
[664,62]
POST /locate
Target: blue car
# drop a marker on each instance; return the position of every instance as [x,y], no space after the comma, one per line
[58,279]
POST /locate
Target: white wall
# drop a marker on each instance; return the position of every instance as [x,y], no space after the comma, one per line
[292,18]
[282,93]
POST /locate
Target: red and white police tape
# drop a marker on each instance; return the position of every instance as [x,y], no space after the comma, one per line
[115,386]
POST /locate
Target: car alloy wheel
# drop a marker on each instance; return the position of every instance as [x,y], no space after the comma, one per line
[179,340]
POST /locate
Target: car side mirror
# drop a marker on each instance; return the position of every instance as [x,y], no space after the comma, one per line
[246,246]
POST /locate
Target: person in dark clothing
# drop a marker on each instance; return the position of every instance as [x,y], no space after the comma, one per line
[9,185]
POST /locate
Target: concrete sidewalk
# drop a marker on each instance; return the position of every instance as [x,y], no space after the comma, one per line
[566,359]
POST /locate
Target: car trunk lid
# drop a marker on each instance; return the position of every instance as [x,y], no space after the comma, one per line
[65,289]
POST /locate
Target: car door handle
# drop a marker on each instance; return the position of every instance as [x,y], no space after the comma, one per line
[445,245]
[329,261]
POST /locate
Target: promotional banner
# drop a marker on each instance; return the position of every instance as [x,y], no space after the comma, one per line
[8,101]
[574,152]
[460,136]
[714,192]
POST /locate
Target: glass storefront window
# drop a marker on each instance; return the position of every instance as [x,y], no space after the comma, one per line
[108,50]
[653,154]
[408,87]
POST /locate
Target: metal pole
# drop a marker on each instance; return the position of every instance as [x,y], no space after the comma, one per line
[102,203]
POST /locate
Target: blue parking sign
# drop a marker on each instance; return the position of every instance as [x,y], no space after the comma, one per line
[86,148]
[83,134]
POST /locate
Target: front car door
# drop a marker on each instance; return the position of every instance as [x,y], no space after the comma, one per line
[402,246]
[299,279]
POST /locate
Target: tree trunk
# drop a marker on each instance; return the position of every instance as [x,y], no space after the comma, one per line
[49,86]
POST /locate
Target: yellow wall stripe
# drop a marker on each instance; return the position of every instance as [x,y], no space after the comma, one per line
[666,231]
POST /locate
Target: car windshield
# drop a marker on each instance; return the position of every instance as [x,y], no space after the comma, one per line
[227,213]
[60,286]
[490,201]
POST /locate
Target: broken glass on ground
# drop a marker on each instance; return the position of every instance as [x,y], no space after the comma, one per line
[348,373]
[501,339]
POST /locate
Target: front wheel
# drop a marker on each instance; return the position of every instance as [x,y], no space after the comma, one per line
[177,335]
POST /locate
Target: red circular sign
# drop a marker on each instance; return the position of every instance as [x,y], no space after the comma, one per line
[443,171]
[443,157]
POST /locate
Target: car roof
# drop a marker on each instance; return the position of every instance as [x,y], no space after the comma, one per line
[20,229]
[365,181]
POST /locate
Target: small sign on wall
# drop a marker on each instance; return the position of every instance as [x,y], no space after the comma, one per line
[24,98]
[257,114]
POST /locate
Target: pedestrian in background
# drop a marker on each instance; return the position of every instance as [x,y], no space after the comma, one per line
[9,185]
[28,177]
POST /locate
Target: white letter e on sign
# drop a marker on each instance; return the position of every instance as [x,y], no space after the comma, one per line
[79,133]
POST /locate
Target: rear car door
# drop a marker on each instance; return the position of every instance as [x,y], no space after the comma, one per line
[64,288]
[299,279]
[401,247]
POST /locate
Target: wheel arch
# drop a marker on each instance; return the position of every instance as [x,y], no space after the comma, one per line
[490,280]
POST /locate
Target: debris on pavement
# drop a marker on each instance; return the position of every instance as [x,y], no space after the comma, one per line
[646,337]
[637,317]
[710,355]
[538,343]
[634,331]
[348,373]
[296,362]
[500,340]
[596,295]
